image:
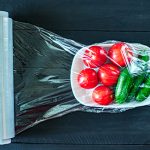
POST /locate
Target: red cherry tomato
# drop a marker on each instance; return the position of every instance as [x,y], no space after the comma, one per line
[95,56]
[120,54]
[87,78]
[102,95]
[108,74]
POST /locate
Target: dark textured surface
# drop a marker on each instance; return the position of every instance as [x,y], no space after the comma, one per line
[73,147]
[82,14]
[130,127]
[88,21]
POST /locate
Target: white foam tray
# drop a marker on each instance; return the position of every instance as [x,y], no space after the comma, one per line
[84,96]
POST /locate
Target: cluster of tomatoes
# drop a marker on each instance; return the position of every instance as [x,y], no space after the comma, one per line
[103,67]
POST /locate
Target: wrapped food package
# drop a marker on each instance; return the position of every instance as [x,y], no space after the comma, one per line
[47,76]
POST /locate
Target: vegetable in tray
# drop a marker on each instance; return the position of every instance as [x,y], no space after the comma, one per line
[108,75]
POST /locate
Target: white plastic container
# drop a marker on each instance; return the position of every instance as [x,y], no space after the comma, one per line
[84,96]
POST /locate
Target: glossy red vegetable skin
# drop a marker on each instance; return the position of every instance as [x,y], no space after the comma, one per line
[88,78]
[95,56]
[120,54]
[103,95]
[108,74]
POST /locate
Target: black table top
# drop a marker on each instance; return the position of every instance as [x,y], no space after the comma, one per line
[87,21]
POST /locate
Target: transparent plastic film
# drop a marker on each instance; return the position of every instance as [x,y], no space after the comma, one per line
[49,71]
[112,74]
[42,63]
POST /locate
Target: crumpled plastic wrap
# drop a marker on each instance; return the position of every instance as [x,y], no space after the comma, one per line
[42,67]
